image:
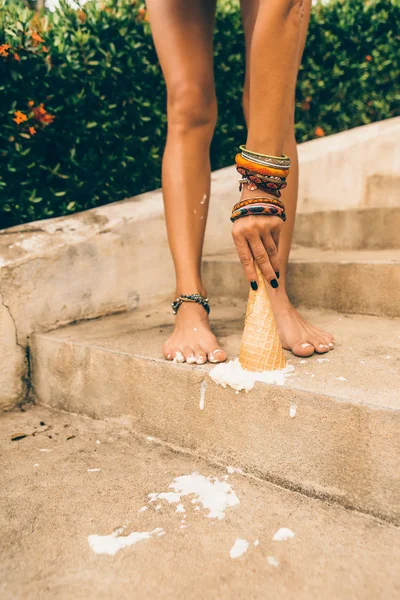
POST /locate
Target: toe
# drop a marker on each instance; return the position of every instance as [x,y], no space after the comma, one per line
[217,355]
[177,355]
[189,355]
[167,353]
[301,348]
[320,345]
[201,356]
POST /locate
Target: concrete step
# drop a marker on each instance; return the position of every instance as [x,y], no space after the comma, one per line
[363,282]
[96,476]
[343,444]
[357,229]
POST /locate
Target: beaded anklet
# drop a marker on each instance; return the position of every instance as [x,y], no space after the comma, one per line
[198,298]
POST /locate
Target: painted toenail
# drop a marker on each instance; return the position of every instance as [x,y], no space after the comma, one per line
[253,285]
[331,345]
[179,358]
[306,345]
[323,346]
[274,283]
[191,359]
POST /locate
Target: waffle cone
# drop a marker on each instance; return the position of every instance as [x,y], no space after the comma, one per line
[261,348]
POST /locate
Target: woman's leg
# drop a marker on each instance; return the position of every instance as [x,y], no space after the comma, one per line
[183,37]
[295,333]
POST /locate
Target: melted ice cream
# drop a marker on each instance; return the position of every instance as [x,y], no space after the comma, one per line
[233,374]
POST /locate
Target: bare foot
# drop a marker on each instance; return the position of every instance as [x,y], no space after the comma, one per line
[296,334]
[192,340]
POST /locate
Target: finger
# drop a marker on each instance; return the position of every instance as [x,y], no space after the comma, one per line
[246,258]
[262,259]
[272,252]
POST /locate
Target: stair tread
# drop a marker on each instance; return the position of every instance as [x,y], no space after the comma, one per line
[335,553]
[371,378]
[320,255]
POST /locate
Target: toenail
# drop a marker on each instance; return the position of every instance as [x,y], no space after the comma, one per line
[191,359]
[200,360]
[323,346]
[306,345]
[331,345]
[274,283]
[179,358]
[253,285]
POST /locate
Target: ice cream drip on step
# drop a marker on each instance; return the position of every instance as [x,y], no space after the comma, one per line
[261,356]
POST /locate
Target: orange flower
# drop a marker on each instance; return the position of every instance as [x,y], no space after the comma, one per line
[305,105]
[20,117]
[319,132]
[41,114]
[36,37]
[45,49]
[16,56]
[82,16]
[368,58]
[32,130]
[4,49]
[31,103]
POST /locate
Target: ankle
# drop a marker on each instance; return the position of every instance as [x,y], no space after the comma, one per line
[190,287]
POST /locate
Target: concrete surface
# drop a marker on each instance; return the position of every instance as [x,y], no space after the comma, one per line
[51,503]
[96,262]
[344,442]
[336,173]
[359,229]
[353,281]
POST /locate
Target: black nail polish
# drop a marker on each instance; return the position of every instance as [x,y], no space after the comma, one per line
[277,274]
[274,283]
[254,285]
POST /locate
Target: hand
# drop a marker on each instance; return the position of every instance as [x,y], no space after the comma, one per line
[257,239]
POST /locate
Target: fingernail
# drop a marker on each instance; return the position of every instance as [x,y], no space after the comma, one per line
[254,285]
[274,283]
[277,274]
[305,345]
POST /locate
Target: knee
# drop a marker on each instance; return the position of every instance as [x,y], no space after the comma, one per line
[191,106]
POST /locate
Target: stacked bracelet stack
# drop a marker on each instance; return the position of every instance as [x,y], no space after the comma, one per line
[262,171]
[267,173]
[258,206]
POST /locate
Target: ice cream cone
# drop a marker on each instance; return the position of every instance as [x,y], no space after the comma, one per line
[261,348]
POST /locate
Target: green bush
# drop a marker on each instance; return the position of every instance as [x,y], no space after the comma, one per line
[91,127]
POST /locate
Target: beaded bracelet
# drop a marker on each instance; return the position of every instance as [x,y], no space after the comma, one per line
[259,210]
[257,200]
[260,167]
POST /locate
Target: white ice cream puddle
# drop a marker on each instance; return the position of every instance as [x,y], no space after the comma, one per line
[283,534]
[44,450]
[93,470]
[234,470]
[111,544]
[239,548]
[292,411]
[237,378]
[272,561]
[213,494]
[203,387]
